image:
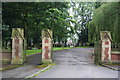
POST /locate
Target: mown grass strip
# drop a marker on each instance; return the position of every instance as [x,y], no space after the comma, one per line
[30,52]
[84,47]
[48,66]
[10,67]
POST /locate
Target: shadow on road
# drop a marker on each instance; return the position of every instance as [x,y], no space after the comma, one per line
[34,59]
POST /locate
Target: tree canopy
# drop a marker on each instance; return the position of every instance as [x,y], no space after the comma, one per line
[34,17]
[83,20]
[82,14]
[105,18]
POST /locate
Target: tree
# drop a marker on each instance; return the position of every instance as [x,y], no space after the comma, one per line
[34,17]
[105,18]
[82,14]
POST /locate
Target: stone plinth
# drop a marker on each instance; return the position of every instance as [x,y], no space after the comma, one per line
[106,46]
[46,46]
[17,45]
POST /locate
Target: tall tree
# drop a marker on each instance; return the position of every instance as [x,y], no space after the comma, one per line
[34,17]
[82,14]
[105,18]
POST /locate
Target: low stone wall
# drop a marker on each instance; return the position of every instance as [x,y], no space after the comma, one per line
[115,56]
[6,57]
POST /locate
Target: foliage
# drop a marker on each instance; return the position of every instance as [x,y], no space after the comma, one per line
[33,17]
[87,19]
[105,18]
[82,14]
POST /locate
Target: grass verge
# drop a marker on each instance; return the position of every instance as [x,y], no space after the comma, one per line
[10,67]
[30,52]
[84,47]
[46,67]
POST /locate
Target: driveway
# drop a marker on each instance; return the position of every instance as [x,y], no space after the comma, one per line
[76,63]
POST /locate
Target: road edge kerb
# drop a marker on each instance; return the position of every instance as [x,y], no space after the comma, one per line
[37,73]
[110,67]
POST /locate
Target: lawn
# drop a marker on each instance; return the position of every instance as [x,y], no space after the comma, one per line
[29,52]
[85,47]
[60,48]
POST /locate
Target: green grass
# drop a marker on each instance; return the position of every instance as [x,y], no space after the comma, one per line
[84,47]
[10,67]
[44,65]
[60,48]
[30,52]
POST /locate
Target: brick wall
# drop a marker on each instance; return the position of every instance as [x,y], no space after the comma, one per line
[115,56]
[6,57]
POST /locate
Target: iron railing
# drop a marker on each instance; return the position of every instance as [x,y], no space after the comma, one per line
[97,53]
[115,46]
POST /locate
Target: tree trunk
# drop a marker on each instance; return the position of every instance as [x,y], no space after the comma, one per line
[81,43]
[5,44]
[78,42]
[65,43]
[59,44]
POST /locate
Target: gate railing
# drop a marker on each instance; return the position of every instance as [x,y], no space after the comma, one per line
[97,53]
[115,46]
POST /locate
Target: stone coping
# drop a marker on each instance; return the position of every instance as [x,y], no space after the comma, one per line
[5,50]
[115,52]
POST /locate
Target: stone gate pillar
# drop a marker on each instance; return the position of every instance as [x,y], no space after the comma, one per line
[46,46]
[17,45]
[106,46]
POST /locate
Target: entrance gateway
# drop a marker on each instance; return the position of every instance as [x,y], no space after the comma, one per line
[106,46]
[18,55]
[17,46]
[47,41]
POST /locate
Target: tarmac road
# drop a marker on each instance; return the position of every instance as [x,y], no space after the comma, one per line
[76,63]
